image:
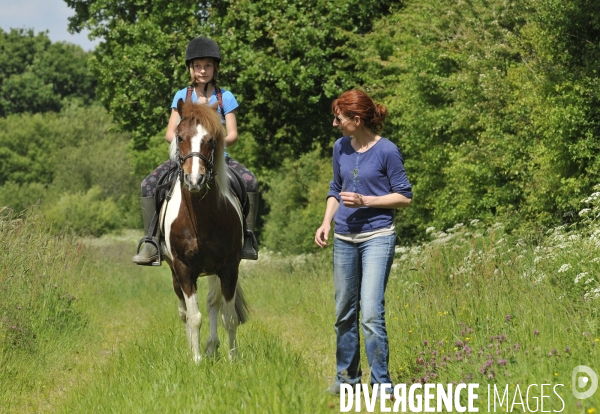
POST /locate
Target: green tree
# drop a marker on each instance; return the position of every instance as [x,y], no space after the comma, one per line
[37,75]
[494,105]
[284,61]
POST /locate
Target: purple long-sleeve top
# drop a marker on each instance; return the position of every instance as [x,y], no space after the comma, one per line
[376,172]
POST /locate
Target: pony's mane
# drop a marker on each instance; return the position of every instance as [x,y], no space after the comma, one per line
[209,118]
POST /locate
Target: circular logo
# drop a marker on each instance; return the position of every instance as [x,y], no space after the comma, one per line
[581,382]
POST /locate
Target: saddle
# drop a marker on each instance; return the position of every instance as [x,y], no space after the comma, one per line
[164,191]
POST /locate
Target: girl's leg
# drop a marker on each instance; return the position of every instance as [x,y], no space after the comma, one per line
[149,252]
[249,178]
[250,248]
[149,183]
[346,275]
[377,255]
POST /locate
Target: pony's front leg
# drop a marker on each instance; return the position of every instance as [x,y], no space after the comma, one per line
[213,305]
[193,323]
[185,288]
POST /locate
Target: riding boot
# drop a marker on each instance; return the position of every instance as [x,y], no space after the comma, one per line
[250,249]
[149,253]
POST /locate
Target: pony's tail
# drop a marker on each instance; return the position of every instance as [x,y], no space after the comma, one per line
[241,306]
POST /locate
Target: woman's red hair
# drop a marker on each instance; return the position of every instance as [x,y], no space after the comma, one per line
[357,103]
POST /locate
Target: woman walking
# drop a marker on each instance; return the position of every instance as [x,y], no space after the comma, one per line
[369,184]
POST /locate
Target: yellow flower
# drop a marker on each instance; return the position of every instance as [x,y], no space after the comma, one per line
[467,339]
[556,374]
[597,340]
[591,410]
[410,331]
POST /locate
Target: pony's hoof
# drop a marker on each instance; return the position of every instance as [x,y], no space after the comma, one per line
[212,348]
[197,359]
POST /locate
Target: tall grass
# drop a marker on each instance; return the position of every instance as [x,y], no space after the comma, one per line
[474,304]
[38,320]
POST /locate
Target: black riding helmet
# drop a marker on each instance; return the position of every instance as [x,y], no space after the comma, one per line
[202,47]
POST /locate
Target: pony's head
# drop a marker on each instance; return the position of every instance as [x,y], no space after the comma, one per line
[199,144]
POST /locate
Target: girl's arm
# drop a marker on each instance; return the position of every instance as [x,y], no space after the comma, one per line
[231,127]
[173,121]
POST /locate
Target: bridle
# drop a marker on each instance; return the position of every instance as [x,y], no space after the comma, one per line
[209,162]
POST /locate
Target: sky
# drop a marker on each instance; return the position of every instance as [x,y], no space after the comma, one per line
[42,15]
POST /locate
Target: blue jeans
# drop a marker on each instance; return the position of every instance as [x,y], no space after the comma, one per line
[361,272]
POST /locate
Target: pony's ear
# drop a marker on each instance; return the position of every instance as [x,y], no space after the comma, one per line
[180,107]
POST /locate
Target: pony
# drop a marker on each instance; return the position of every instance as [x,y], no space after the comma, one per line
[203,229]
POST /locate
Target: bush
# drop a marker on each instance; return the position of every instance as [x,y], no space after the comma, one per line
[18,197]
[296,198]
[86,213]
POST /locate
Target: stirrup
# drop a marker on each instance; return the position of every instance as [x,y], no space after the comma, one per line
[153,241]
[251,255]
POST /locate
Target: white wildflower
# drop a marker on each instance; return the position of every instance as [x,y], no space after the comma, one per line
[592,294]
[579,277]
[455,228]
[584,212]
[587,282]
[564,268]
[595,260]
[429,230]
[474,222]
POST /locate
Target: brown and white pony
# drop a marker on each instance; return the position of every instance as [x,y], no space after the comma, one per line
[202,227]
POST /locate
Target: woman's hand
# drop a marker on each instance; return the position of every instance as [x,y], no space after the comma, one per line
[354,200]
[322,235]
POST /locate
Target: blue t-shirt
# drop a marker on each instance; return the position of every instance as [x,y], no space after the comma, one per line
[229,102]
[376,172]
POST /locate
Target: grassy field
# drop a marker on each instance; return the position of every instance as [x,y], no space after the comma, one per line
[83,330]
